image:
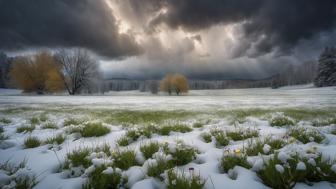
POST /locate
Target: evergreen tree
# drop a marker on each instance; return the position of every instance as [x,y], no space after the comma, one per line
[326,73]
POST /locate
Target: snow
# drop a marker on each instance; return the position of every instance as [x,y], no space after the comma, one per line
[266,148]
[301,166]
[45,160]
[279,168]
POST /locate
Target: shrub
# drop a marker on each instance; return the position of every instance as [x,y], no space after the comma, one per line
[27,128]
[94,130]
[58,139]
[49,125]
[206,137]
[182,181]
[229,161]
[242,134]
[32,142]
[149,149]
[306,135]
[5,121]
[281,121]
[105,177]
[183,154]
[77,158]
[124,159]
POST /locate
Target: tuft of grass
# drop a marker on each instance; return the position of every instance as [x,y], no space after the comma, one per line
[306,135]
[183,154]
[240,134]
[124,159]
[254,149]
[220,137]
[198,125]
[123,141]
[206,137]
[177,180]
[157,168]
[27,181]
[149,149]
[49,125]
[72,121]
[324,122]
[34,120]
[27,128]
[229,161]
[32,142]
[99,179]
[166,129]
[94,130]
[5,121]
[43,117]
[281,121]
[77,158]
[58,139]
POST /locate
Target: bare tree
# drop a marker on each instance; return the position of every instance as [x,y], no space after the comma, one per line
[79,69]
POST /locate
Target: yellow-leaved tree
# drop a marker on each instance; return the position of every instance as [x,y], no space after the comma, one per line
[177,83]
[39,73]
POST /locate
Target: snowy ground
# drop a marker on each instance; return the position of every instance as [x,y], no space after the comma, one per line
[239,110]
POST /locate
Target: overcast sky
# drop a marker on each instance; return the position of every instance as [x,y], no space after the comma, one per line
[205,39]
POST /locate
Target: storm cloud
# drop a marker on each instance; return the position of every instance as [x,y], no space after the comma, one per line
[205,39]
[63,23]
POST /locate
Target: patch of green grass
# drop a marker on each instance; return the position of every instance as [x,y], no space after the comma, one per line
[166,129]
[149,149]
[183,154]
[156,168]
[324,122]
[124,159]
[220,137]
[58,139]
[181,181]
[229,161]
[206,137]
[49,125]
[103,178]
[240,115]
[94,129]
[77,158]
[27,181]
[3,137]
[43,117]
[254,149]
[128,117]
[305,135]
[32,142]
[123,141]
[5,121]
[72,121]
[27,128]
[241,134]
[34,120]
[106,148]
[198,125]
[281,121]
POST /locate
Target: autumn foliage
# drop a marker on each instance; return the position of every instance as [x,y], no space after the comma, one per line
[176,83]
[39,73]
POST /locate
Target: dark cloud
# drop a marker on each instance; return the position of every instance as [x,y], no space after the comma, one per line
[268,25]
[63,23]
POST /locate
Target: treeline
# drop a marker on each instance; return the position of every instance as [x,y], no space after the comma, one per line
[71,70]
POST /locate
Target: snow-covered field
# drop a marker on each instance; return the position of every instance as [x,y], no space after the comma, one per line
[277,137]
